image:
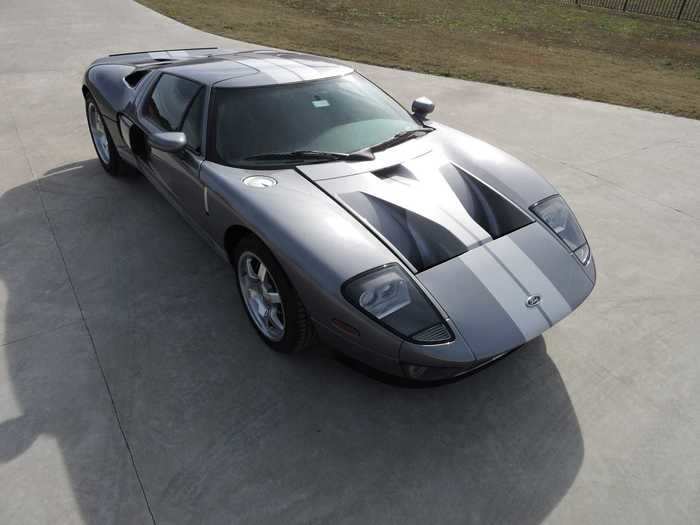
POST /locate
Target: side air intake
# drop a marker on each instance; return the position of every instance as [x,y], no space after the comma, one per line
[133,79]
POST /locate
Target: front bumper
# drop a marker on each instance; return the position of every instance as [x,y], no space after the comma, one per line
[443,361]
[422,363]
[434,373]
[487,292]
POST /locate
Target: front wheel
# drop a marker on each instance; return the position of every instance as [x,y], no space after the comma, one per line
[271,302]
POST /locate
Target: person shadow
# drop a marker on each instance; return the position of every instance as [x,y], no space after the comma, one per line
[146,324]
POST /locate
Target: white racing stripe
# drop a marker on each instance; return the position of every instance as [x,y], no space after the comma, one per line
[531,278]
[304,71]
[506,290]
[159,55]
[277,73]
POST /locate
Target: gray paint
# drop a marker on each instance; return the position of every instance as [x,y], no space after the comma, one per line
[571,283]
[531,278]
[498,169]
[327,223]
[487,290]
[225,67]
[481,321]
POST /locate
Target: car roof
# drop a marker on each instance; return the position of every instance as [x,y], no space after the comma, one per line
[255,68]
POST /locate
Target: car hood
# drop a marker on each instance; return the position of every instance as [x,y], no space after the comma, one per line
[505,293]
[422,204]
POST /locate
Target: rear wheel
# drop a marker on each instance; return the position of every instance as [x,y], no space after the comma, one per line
[101,139]
[271,302]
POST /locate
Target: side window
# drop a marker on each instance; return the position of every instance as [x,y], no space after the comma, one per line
[192,126]
[169,101]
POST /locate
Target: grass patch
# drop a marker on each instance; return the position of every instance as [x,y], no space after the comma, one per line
[644,62]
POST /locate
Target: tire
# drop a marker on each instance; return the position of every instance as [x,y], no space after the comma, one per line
[297,332]
[101,139]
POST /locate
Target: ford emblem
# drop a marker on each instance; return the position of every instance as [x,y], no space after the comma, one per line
[533,301]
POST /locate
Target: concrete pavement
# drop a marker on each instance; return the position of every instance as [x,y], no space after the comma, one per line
[133,390]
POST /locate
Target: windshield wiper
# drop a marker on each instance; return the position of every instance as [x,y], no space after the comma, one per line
[400,137]
[313,155]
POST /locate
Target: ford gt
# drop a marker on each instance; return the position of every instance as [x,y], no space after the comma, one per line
[403,243]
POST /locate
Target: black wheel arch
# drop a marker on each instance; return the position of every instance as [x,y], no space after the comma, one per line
[235,233]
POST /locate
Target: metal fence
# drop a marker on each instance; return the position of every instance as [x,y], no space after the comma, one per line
[678,9]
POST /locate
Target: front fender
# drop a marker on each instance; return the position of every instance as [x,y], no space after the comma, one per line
[503,172]
[319,245]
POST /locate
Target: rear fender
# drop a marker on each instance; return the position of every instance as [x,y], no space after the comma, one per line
[109,89]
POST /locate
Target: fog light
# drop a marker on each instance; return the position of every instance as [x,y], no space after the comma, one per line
[431,373]
[415,371]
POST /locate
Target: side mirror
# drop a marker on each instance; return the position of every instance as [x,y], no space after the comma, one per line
[422,107]
[170,141]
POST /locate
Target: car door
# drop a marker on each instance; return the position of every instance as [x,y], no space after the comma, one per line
[177,104]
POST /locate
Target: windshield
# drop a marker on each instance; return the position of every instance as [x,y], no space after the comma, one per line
[341,114]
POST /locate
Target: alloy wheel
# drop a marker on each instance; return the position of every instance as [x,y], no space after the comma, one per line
[261,296]
[98,132]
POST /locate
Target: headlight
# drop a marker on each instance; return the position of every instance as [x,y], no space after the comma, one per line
[555,213]
[389,296]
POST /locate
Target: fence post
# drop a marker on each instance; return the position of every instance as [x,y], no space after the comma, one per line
[680,12]
[624,7]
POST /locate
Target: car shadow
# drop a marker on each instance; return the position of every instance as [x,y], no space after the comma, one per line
[221,429]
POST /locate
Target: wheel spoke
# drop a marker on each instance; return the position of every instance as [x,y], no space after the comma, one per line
[262,272]
[275,319]
[261,296]
[271,297]
[98,132]
[249,269]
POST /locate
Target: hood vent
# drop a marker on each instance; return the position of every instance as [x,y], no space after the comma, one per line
[491,210]
[427,210]
[423,242]
[398,170]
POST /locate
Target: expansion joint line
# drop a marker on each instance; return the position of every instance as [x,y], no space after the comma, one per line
[83,319]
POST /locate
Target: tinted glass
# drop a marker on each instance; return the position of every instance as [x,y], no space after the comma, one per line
[169,101]
[341,114]
[192,125]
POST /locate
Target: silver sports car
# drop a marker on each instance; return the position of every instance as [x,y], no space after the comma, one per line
[408,245]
